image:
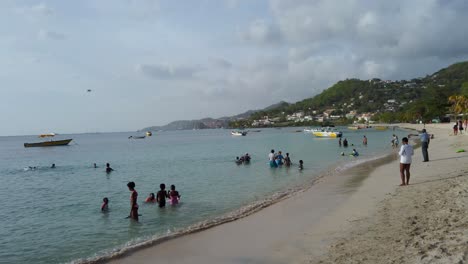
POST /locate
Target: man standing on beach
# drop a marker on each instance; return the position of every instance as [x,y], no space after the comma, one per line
[406,151]
[425,139]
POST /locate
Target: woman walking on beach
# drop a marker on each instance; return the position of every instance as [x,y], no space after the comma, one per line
[406,151]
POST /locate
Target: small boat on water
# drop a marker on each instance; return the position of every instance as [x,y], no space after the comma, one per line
[238,133]
[324,132]
[136,137]
[149,134]
[381,128]
[50,143]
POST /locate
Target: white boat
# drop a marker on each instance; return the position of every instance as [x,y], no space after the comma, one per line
[324,132]
[238,133]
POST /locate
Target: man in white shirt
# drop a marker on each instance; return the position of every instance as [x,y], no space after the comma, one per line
[406,151]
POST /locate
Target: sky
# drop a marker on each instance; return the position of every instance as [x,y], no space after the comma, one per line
[150,62]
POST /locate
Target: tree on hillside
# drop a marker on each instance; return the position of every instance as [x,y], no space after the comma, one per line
[459,104]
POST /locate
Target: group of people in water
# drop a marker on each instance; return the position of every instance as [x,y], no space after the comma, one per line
[245,159]
[345,144]
[278,160]
[173,196]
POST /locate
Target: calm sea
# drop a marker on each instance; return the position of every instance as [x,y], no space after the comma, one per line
[53,215]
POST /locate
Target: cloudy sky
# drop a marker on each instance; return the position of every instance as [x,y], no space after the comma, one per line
[149,62]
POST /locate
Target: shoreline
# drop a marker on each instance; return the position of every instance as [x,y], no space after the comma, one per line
[351,200]
[240,213]
[424,222]
[333,187]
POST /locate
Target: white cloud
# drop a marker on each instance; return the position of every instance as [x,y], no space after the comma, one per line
[167,72]
[260,31]
[52,35]
[42,9]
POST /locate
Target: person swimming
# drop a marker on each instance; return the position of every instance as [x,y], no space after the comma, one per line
[342,153]
[174,195]
[53,166]
[151,198]
[105,205]
[246,158]
[161,195]
[238,161]
[108,168]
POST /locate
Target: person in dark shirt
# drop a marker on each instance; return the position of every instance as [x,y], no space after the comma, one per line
[161,195]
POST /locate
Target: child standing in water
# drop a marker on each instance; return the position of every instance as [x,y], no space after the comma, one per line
[161,195]
[301,165]
[133,201]
[287,160]
[105,205]
[174,195]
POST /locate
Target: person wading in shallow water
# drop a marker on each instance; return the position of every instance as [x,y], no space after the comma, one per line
[406,152]
[133,201]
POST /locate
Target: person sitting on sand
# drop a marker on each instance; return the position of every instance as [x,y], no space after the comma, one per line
[108,168]
[133,201]
[174,195]
[105,205]
[151,198]
[406,151]
[287,160]
[301,165]
[161,195]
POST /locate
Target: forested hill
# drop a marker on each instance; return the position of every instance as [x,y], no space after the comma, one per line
[222,122]
[423,98]
[405,100]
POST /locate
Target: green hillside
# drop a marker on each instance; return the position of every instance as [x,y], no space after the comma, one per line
[422,98]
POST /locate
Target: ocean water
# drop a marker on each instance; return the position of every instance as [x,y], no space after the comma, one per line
[53,215]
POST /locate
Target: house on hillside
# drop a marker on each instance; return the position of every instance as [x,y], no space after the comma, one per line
[351,114]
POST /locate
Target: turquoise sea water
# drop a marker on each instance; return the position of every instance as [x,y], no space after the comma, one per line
[53,215]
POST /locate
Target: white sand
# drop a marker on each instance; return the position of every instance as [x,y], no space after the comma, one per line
[366,218]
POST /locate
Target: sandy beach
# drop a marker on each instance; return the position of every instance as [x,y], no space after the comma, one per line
[360,216]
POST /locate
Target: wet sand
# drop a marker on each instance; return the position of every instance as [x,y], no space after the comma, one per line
[326,223]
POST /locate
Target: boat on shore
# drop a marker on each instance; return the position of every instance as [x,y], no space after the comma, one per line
[51,143]
[238,133]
